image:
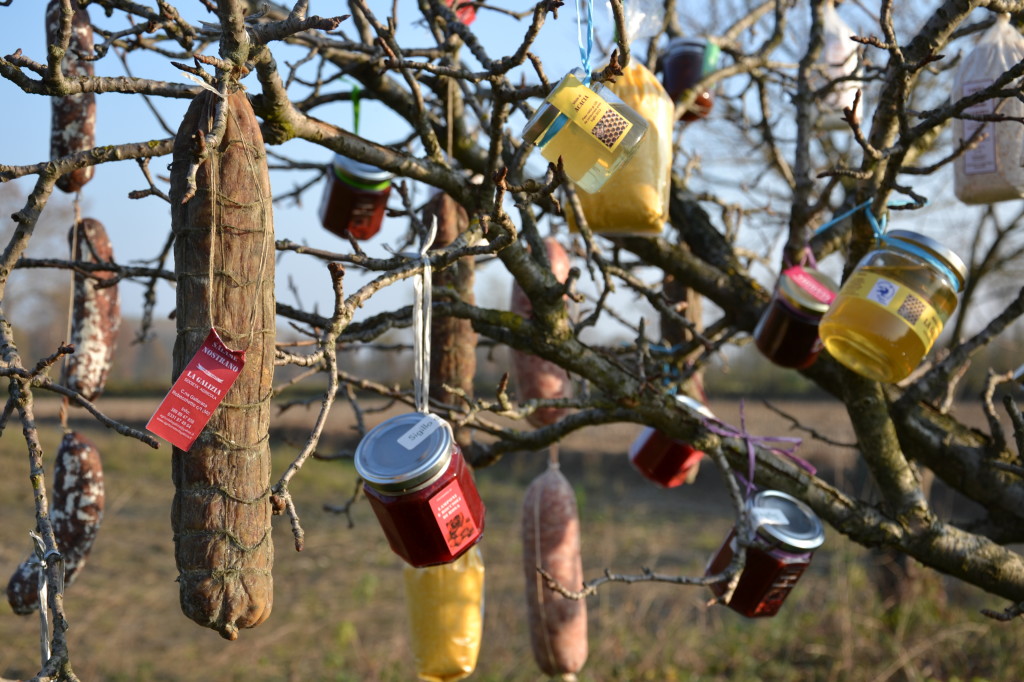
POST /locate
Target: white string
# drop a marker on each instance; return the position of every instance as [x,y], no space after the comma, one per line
[421,324]
[44,620]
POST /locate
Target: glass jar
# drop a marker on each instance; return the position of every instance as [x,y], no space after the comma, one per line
[420,488]
[589,126]
[888,314]
[786,534]
[446,615]
[355,198]
[685,63]
[668,463]
[787,333]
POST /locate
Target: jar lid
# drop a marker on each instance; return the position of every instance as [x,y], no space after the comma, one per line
[807,289]
[933,249]
[360,171]
[686,44]
[404,452]
[785,521]
[694,404]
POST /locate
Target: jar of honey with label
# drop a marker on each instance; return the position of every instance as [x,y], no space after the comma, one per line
[420,488]
[786,534]
[787,333]
[685,63]
[888,314]
[355,198]
[664,461]
[589,127]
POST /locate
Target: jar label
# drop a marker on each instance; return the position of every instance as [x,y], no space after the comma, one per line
[453,517]
[900,301]
[806,281]
[981,158]
[420,430]
[590,111]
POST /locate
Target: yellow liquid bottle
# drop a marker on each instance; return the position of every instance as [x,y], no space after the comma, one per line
[446,616]
[888,314]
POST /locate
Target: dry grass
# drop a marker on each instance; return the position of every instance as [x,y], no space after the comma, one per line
[339,612]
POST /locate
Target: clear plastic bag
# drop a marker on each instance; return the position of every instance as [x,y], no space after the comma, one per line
[992,170]
[637,201]
[839,56]
[446,616]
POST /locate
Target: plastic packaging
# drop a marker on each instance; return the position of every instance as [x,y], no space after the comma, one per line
[589,127]
[637,202]
[992,170]
[446,616]
[839,55]
[787,333]
[888,314]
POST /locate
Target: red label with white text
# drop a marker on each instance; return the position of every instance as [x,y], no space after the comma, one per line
[453,517]
[199,389]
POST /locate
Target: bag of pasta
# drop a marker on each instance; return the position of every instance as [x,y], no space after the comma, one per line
[637,201]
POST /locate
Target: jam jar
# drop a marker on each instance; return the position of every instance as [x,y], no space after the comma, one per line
[685,63]
[786,534]
[355,198]
[889,312]
[420,488]
[587,125]
[787,333]
[668,463]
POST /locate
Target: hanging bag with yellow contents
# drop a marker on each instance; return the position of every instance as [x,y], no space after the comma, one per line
[637,202]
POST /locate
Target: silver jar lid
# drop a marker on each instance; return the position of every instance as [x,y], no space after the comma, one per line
[947,257]
[405,453]
[694,404]
[360,171]
[785,521]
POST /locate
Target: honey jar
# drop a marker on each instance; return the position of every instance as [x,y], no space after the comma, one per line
[786,534]
[685,63]
[664,461]
[355,198]
[787,333]
[589,127]
[888,314]
[420,488]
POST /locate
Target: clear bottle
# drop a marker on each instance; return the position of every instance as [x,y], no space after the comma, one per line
[355,198]
[787,532]
[787,333]
[888,314]
[589,126]
[420,488]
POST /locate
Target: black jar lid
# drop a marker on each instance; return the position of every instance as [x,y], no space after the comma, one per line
[405,453]
[785,521]
[800,296]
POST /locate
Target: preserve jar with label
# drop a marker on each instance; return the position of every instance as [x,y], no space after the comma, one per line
[587,125]
[787,333]
[420,488]
[664,461]
[446,616]
[888,314]
[355,198]
[786,534]
[685,63]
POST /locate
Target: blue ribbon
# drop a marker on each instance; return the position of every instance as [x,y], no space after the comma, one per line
[585,50]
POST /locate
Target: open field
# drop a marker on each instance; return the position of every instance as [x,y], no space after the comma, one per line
[339,613]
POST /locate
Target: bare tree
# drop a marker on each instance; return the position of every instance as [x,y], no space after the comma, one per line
[458,111]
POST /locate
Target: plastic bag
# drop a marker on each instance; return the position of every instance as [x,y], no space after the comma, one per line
[992,170]
[637,201]
[839,55]
[446,616]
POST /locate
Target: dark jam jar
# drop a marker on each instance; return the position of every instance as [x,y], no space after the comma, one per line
[685,63]
[787,333]
[787,533]
[355,198]
[664,461]
[420,488]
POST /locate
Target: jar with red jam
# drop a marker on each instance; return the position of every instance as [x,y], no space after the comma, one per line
[668,463]
[420,489]
[684,64]
[786,534]
[787,333]
[355,198]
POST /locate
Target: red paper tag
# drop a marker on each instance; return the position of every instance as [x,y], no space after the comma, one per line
[453,517]
[200,388]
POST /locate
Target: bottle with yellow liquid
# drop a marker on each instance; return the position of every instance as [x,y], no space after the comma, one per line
[446,616]
[587,125]
[888,314]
